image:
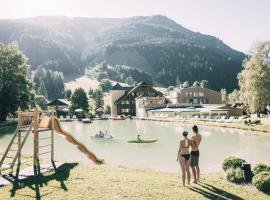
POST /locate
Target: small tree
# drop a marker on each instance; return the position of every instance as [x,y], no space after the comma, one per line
[68,94]
[234,97]
[105,84]
[185,84]
[91,92]
[170,88]
[41,101]
[196,84]
[102,75]
[79,100]
[224,95]
[204,84]
[129,80]
[107,109]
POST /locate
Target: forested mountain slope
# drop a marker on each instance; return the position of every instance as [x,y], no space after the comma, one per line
[156,45]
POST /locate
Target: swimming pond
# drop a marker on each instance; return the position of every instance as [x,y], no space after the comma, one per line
[217,144]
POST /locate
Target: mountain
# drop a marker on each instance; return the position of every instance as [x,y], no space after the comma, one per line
[156,45]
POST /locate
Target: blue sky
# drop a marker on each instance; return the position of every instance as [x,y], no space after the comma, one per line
[239,23]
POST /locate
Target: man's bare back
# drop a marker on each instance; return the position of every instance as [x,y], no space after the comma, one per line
[196,138]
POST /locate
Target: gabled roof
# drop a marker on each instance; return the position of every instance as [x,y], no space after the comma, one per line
[117,86]
[127,93]
[121,98]
[144,84]
[59,102]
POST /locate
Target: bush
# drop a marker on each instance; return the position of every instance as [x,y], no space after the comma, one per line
[262,181]
[260,168]
[235,175]
[232,162]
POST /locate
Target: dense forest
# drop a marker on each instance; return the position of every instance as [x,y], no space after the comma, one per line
[154,45]
[48,83]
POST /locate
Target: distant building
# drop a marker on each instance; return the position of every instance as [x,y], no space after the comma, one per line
[198,111]
[59,103]
[61,106]
[143,102]
[195,95]
[131,100]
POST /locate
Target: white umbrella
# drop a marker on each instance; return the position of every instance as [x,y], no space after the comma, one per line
[78,110]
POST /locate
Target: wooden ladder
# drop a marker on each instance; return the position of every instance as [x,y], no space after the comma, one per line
[16,144]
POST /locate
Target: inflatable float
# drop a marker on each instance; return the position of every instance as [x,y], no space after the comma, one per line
[106,136]
[142,141]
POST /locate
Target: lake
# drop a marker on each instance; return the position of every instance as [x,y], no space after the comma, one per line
[218,143]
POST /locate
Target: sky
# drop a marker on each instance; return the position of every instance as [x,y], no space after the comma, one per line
[239,23]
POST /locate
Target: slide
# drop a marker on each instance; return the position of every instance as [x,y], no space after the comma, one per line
[72,140]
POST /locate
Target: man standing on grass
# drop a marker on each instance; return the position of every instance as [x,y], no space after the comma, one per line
[195,154]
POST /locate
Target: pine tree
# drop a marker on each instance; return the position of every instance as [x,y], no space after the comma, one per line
[42,89]
[98,97]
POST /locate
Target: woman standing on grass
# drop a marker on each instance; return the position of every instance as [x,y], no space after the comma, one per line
[183,157]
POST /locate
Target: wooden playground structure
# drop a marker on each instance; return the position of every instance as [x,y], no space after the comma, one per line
[37,122]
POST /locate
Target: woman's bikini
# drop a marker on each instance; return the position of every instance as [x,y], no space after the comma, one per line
[186,156]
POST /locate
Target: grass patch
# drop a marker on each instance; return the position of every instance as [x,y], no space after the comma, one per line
[72,181]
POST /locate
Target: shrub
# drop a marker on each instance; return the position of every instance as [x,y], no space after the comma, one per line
[232,162]
[235,175]
[260,168]
[257,122]
[262,181]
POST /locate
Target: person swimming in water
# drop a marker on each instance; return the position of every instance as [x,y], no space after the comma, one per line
[183,157]
[100,134]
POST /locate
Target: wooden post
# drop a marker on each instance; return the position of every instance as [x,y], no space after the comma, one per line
[19,133]
[52,135]
[36,139]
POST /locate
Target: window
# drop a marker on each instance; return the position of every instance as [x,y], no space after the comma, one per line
[187,94]
[124,110]
[125,102]
[201,94]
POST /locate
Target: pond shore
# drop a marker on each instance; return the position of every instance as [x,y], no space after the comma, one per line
[76,181]
[263,127]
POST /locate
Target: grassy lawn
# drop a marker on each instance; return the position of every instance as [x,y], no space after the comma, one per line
[73,181]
